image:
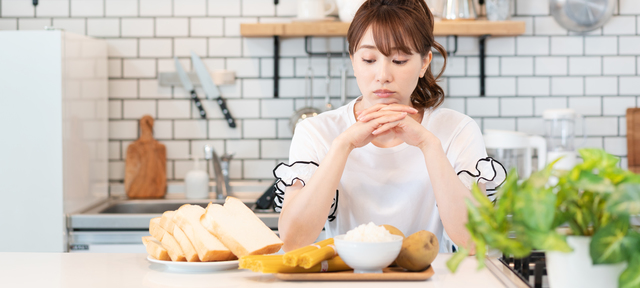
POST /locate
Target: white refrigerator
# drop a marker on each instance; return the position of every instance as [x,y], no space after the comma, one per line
[53,135]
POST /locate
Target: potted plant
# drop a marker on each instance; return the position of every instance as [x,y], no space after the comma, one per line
[585,214]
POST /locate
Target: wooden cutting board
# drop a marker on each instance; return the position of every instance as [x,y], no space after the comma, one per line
[388,274]
[145,175]
[633,139]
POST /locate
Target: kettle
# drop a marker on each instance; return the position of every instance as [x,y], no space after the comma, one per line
[459,10]
[515,150]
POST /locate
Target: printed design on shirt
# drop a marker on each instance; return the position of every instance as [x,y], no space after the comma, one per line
[287,174]
[489,171]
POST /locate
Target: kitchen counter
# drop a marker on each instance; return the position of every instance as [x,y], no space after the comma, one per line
[133,270]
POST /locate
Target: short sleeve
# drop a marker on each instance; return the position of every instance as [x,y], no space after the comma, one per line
[303,162]
[303,157]
[471,162]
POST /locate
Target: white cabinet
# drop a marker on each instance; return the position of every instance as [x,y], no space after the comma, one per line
[53,134]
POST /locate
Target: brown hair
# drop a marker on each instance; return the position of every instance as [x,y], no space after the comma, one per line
[406,25]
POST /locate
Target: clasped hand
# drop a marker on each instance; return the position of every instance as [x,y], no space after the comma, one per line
[380,120]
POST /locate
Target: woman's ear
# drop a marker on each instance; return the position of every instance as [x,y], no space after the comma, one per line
[426,61]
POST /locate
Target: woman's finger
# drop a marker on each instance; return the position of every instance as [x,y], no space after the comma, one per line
[386,127]
[376,115]
[376,123]
[391,107]
[375,107]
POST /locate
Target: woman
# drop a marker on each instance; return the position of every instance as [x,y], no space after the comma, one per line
[390,155]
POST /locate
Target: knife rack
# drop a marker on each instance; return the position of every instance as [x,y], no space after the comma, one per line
[166,79]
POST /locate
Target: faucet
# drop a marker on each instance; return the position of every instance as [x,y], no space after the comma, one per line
[220,169]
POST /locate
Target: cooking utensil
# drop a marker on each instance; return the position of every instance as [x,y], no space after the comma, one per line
[459,10]
[210,89]
[145,173]
[327,83]
[582,15]
[633,139]
[308,110]
[186,83]
[343,79]
[265,202]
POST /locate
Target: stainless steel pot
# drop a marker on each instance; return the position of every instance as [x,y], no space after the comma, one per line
[459,10]
[582,15]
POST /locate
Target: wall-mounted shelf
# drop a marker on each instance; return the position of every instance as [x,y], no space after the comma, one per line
[328,29]
[480,28]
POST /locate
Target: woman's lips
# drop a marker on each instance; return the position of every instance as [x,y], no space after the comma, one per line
[383,93]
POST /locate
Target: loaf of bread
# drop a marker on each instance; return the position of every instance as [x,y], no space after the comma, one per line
[166,221]
[239,229]
[189,251]
[155,248]
[155,230]
[209,248]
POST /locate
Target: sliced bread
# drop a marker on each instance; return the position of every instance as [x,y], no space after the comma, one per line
[173,248]
[155,230]
[189,251]
[240,229]
[166,222]
[209,248]
[155,249]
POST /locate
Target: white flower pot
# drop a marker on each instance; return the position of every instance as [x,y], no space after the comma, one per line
[576,269]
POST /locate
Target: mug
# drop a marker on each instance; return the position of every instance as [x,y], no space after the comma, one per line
[314,9]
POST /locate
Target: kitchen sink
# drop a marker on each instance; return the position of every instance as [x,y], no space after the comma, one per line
[155,206]
[119,213]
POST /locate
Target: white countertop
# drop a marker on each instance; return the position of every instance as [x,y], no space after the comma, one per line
[133,270]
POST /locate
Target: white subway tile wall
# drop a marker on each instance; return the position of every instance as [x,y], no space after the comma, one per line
[548,67]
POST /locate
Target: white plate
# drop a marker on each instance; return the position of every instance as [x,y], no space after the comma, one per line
[196,266]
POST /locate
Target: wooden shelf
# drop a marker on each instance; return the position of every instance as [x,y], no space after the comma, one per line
[442,28]
[480,28]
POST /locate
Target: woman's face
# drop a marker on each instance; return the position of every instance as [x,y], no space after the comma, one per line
[383,79]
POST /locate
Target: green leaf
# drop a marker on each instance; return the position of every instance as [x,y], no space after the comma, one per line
[481,250]
[588,181]
[481,197]
[630,277]
[456,259]
[505,195]
[536,209]
[607,243]
[625,200]
[549,241]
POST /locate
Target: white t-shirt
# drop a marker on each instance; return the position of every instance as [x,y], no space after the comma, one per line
[386,185]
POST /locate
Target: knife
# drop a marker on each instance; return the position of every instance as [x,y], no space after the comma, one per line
[210,89]
[186,83]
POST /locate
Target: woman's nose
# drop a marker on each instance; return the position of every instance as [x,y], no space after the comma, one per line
[383,74]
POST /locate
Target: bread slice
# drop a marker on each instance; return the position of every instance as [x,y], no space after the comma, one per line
[209,248]
[166,222]
[190,252]
[155,230]
[155,249]
[240,229]
[173,248]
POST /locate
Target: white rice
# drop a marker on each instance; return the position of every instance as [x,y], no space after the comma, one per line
[369,233]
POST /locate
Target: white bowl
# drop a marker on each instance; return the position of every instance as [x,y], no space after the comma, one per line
[368,257]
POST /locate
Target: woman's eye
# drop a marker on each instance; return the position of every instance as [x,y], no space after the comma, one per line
[368,61]
[399,62]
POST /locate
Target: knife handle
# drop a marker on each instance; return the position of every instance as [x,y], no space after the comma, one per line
[225,111]
[196,100]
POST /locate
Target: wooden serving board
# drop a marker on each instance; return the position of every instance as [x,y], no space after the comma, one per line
[388,274]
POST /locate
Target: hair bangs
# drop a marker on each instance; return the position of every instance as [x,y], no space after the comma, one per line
[391,34]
